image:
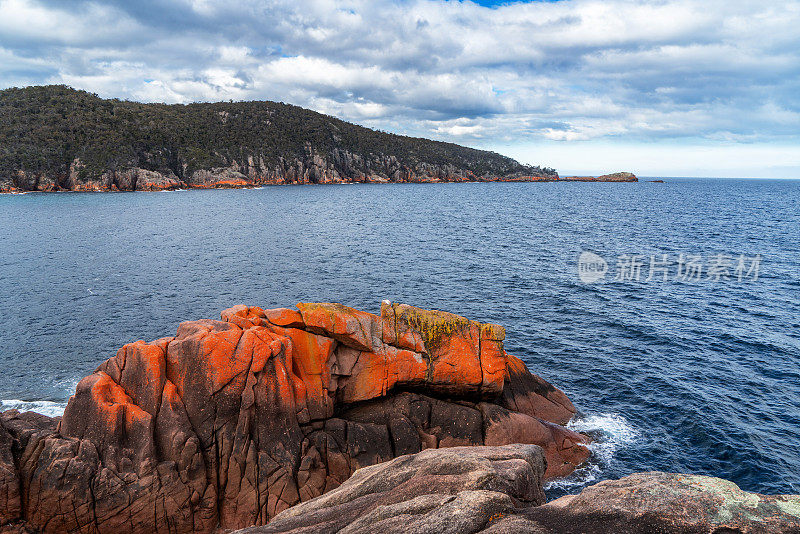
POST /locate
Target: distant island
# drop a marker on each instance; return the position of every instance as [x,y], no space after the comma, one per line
[615,177]
[56,138]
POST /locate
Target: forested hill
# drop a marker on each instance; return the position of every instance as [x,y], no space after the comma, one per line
[59,138]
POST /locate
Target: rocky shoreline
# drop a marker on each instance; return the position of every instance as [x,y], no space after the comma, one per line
[138,179]
[325,419]
[252,173]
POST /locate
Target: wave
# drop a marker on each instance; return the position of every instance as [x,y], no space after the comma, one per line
[44,407]
[610,432]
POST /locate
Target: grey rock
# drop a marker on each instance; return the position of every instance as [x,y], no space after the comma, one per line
[667,503]
[458,489]
[497,490]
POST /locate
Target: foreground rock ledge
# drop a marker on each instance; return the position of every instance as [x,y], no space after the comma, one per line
[458,490]
[231,422]
[497,490]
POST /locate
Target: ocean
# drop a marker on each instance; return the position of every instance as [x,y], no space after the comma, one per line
[669,313]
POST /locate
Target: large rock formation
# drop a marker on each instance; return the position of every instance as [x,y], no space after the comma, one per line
[231,422]
[497,490]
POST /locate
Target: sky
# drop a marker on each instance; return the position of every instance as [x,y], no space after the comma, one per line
[659,88]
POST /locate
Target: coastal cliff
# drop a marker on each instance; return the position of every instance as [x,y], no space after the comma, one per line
[55,138]
[231,422]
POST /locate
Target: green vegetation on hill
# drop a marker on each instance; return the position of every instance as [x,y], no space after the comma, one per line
[43,129]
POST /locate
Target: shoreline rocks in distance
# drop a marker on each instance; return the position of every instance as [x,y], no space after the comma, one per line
[138,179]
[231,422]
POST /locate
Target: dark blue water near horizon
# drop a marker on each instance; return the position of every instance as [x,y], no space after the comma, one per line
[697,376]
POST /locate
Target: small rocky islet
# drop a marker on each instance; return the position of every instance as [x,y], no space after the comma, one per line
[325,418]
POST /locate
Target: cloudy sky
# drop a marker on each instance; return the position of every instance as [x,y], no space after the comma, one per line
[667,87]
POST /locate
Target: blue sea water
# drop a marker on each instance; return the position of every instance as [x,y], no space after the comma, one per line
[698,376]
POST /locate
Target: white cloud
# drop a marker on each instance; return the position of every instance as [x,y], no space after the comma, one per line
[567,74]
[24,21]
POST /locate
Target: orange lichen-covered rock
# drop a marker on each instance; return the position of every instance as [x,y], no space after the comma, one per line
[375,374]
[349,326]
[462,355]
[284,317]
[230,422]
[246,316]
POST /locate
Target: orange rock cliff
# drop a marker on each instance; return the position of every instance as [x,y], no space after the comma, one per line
[230,422]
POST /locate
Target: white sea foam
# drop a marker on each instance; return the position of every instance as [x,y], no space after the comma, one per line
[44,407]
[610,433]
